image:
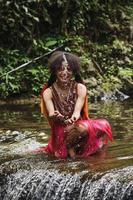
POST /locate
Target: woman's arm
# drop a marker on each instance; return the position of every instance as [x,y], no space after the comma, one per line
[82,91]
[52,113]
[47,96]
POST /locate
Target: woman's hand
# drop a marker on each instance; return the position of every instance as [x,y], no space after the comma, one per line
[73,119]
[57,116]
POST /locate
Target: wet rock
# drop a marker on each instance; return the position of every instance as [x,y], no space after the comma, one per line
[115,95]
[42,134]
[127,87]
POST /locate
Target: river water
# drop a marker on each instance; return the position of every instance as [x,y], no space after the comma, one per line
[105,175]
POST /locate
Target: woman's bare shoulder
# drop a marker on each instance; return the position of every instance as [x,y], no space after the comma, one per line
[47,92]
[81,87]
[82,90]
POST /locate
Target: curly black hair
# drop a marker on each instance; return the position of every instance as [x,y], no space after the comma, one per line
[55,62]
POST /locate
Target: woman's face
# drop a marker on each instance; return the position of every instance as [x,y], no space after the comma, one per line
[64,73]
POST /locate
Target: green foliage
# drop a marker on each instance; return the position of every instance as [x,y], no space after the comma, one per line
[111,57]
[126,72]
[100,32]
[35,78]
[31,78]
[22,22]
[110,83]
[111,61]
[47,43]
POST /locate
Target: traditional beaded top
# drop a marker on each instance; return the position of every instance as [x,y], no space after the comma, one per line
[65,101]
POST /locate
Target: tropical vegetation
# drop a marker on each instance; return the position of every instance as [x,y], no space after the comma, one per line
[99,31]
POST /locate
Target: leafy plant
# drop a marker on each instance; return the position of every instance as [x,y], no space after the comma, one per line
[99,32]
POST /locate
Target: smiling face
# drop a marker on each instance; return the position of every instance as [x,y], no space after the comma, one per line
[64,73]
[64,66]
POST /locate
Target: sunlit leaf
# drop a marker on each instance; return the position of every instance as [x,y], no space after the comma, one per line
[51,43]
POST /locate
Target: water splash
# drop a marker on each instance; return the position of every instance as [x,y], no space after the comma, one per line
[51,184]
[20,142]
[41,184]
[114,185]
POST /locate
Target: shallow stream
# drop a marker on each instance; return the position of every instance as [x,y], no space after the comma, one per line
[105,175]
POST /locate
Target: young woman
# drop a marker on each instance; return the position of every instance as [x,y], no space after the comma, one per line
[64,103]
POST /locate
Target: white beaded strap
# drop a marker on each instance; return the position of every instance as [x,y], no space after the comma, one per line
[64,57]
